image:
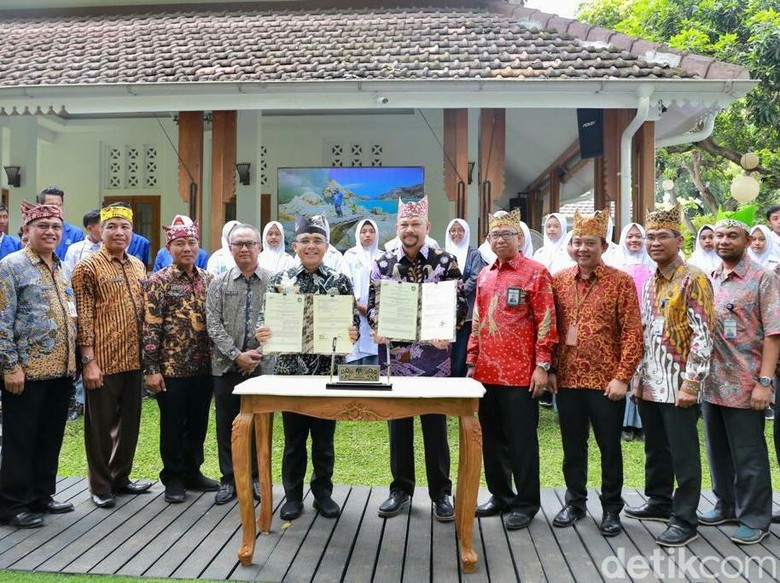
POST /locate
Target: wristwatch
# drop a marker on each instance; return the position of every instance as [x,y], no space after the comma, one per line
[766,381]
[87,359]
[545,366]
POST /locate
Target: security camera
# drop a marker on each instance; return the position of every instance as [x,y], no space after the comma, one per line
[382,100]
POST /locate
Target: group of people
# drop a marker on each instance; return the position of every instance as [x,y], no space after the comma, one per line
[644,328]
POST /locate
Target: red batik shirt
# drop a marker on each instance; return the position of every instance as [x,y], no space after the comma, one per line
[514,325]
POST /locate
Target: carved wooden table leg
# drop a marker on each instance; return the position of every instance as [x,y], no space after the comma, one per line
[243,477]
[468,485]
[264,424]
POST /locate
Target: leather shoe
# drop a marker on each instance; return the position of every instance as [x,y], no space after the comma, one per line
[676,536]
[200,483]
[256,490]
[52,507]
[610,524]
[516,521]
[175,492]
[492,507]
[442,509]
[397,501]
[326,507]
[776,518]
[568,516]
[225,494]
[137,487]
[25,520]
[291,510]
[648,512]
[104,500]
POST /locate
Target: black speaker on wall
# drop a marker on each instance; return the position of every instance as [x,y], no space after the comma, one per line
[590,123]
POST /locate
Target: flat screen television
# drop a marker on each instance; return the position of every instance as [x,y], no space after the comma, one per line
[345,196]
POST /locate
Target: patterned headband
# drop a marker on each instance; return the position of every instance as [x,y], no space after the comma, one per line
[669,219]
[410,210]
[116,212]
[32,212]
[182,227]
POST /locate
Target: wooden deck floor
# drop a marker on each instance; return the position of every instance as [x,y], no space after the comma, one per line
[144,536]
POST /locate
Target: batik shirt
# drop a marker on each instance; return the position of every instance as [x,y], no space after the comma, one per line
[677,316]
[322,281]
[37,317]
[608,340]
[416,359]
[176,342]
[514,325]
[747,305]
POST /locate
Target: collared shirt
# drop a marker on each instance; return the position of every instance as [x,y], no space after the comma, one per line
[8,244]
[747,299]
[109,299]
[324,280]
[600,316]
[429,265]
[233,305]
[70,234]
[79,251]
[176,342]
[677,315]
[514,325]
[37,323]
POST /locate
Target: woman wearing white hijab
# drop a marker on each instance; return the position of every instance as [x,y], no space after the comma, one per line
[357,265]
[470,263]
[564,259]
[273,257]
[554,228]
[222,259]
[760,249]
[704,256]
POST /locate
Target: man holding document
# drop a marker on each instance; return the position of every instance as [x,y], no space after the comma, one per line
[398,278]
[306,335]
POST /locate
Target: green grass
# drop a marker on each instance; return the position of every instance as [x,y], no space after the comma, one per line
[362,452]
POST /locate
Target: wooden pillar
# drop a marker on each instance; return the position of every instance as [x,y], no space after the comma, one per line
[191,160]
[456,158]
[492,159]
[643,172]
[223,169]
[555,191]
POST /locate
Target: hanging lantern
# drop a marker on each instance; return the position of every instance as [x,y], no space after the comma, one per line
[749,161]
[744,189]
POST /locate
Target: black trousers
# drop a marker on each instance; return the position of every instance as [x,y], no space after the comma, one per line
[184,420]
[112,419]
[33,426]
[510,446]
[578,410]
[227,407]
[297,429]
[459,351]
[739,463]
[672,452]
[437,455]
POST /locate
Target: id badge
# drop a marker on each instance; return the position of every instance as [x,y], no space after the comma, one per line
[72,309]
[658,326]
[571,336]
[513,296]
[730,328]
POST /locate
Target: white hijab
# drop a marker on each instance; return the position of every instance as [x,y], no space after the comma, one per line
[766,258]
[274,259]
[707,261]
[562,260]
[459,250]
[367,254]
[222,259]
[548,251]
[626,257]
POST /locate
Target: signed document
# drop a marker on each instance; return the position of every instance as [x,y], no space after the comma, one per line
[398,310]
[284,316]
[332,319]
[438,312]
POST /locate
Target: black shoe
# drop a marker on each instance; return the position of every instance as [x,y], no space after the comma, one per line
[610,524]
[256,490]
[52,507]
[516,521]
[137,487]
[776,518]
[443,510]
[104,500]
[627,435]
[200,483]
[175,493]
[568,516]
[676,536]
[25,520]
[397,501]
[225,494]
[291,510]
[326,507]
[492,507]
[648,512]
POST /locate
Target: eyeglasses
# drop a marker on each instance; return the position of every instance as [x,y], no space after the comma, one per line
[314,241]
[505,235]
[244,244]
[56,227]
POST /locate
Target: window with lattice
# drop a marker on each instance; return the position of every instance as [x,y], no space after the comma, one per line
[263,165]
[131,167]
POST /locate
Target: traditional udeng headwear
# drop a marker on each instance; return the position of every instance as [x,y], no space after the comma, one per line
[505,219]
[668,219]
[594,225]
[409,210]
[32,212]
[315,224]
[182,227]
[742,218]
[115,212]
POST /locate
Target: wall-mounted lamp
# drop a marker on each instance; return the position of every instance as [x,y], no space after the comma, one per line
[243,173]
[471,171]
[14,175]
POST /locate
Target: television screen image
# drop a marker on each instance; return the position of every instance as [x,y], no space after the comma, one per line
[345,196]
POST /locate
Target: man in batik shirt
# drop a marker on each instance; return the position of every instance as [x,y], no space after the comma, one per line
[741,382]
[513,337]
[601,345]
[177,361]
[677,317]
[415,261]
[312,276]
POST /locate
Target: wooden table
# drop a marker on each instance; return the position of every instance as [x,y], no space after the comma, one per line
[411,396]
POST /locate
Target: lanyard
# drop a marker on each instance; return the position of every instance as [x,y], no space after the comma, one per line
[577,301]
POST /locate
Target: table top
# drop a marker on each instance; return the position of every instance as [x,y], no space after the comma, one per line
[403,387]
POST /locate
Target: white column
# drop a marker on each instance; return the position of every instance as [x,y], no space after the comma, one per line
[249,141]
[22,152]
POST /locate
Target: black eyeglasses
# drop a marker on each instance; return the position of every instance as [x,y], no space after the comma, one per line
[244,244]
